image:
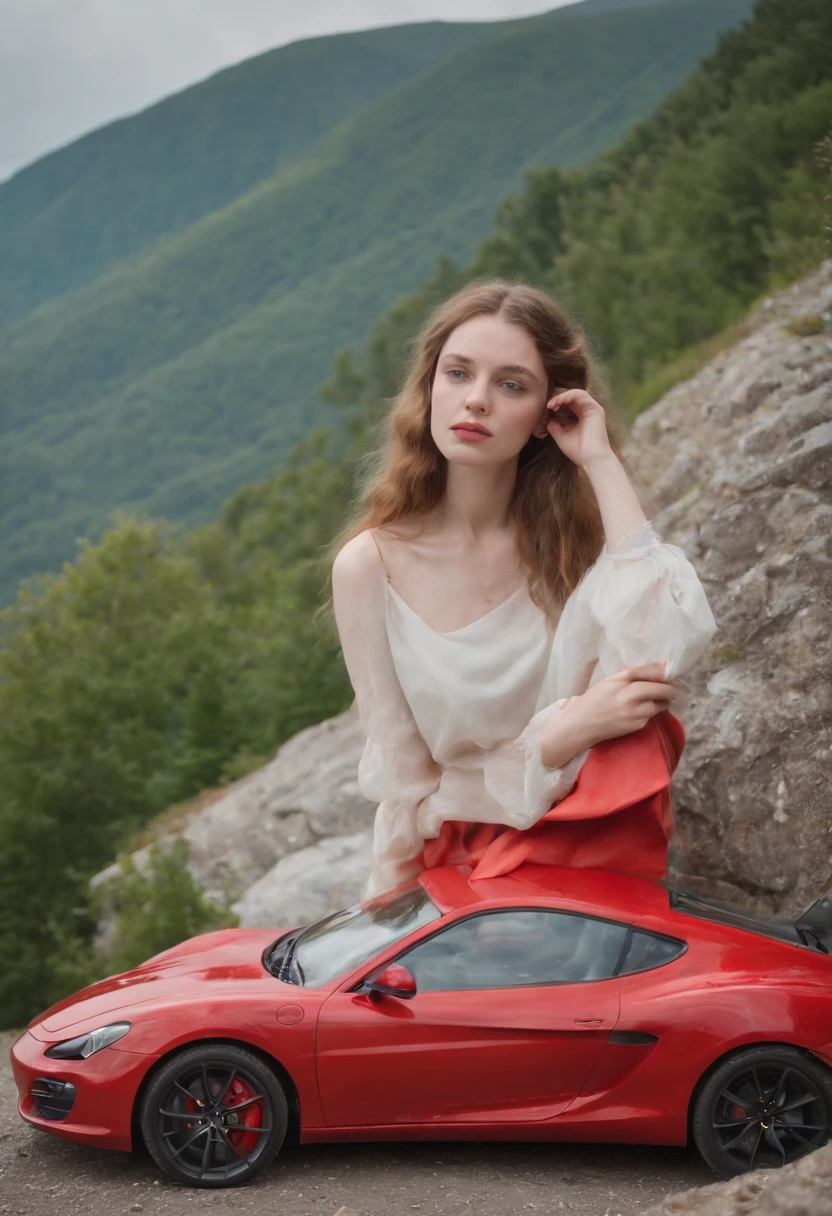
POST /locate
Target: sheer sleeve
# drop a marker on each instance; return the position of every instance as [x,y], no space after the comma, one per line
[639,603]
[396,768]
[516,777]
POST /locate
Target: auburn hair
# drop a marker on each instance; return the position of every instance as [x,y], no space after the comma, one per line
[559,532]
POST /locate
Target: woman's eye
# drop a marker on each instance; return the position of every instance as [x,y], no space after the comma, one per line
[514,385]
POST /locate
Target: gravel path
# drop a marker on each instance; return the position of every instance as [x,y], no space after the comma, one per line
[42,1175]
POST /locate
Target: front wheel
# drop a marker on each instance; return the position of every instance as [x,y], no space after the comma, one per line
[762,1108]
[214,1116]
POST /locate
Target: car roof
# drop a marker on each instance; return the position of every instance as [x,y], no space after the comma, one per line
[598,892]
[615,896]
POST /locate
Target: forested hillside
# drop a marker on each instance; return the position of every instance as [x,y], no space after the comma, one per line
[111,194]
[665,239]
[156,667]
[191,368]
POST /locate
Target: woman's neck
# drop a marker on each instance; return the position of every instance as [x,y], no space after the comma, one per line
[477,501]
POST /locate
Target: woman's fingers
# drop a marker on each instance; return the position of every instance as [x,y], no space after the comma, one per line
[650,690]
[646,671]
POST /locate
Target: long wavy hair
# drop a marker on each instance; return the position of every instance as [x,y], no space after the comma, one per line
[559,532]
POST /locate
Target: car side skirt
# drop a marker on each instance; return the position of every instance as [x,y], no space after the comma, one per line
[635,1129]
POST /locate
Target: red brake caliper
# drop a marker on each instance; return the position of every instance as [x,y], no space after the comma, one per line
[250,1116]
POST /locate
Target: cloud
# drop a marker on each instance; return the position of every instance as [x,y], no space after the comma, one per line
[67,66]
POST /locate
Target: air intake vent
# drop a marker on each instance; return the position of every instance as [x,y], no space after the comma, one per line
[53,1099]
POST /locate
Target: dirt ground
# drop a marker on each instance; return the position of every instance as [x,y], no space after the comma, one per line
[40,1174]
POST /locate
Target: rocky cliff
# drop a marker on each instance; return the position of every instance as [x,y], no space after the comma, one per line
[738,461]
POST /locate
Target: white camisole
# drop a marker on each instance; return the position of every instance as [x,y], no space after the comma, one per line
[453,719]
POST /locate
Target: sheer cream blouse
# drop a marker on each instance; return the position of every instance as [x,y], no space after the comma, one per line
[453,720]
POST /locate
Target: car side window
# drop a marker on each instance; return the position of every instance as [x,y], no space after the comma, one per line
[644,951]
[515,948]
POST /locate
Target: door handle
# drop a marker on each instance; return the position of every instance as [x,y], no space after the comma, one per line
[589,1021]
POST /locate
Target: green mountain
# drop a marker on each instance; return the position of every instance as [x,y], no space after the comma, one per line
[194,366]
[73,214]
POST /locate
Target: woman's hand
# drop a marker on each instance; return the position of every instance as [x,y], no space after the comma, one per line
[617,705]
[578,425]
[626,701]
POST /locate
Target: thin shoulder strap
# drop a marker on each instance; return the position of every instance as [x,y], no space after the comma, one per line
[372,532]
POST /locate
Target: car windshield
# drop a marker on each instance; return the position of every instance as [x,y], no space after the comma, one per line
[335,945]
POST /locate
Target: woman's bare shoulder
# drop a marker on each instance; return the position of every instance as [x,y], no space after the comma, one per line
[357,561]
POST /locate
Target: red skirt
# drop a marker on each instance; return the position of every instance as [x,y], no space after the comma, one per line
[618,816]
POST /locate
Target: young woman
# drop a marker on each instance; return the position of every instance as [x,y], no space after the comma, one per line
[502,601]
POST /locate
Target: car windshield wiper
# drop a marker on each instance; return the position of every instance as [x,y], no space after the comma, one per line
[290,962]
[281,960]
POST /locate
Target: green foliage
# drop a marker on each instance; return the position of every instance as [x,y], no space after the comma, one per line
[158,907]
[133,680]
[149,910]
[824,158]
[95,665]
[807,326]
[728,654]
[191,368]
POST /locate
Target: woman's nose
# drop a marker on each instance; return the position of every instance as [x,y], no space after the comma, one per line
[477,397]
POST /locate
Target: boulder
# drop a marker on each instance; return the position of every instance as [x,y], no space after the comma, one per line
[736,467]
[802,1189]
[307,793]
[308,884]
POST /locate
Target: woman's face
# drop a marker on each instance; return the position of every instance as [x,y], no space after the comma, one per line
[490,375]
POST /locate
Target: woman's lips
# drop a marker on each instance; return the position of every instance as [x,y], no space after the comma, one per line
[468,433]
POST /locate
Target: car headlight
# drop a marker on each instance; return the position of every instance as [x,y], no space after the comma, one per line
[88,1044]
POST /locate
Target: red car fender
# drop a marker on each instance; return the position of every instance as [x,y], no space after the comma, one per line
[291,1044]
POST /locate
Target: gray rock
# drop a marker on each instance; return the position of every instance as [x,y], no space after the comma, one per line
[309,791]
[308,884]
[802,1189]
[734,465]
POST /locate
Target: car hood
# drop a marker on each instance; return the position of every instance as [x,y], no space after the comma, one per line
[211,959]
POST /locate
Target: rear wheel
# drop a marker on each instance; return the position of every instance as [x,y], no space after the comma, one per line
[762,1108]
[214,1116]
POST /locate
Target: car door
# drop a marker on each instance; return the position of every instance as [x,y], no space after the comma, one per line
[512,1010]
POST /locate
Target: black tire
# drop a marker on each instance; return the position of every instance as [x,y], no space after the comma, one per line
[762,1108]
[230,1149]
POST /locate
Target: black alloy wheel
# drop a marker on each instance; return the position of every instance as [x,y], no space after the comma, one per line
[214,1116]
[763,1108]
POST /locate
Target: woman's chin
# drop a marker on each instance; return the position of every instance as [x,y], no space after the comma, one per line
[475,454]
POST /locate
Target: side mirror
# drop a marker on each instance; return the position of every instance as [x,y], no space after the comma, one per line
[393,980]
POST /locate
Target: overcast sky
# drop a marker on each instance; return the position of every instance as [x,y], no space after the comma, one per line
[67,66]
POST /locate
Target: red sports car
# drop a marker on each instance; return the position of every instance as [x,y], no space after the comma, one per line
[550,1004]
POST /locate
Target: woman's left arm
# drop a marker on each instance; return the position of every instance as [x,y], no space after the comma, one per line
[641,602]
[642,595]
[621,511]
[578,425]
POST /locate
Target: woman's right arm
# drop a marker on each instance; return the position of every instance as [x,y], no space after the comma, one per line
[396,769]
[617,705]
